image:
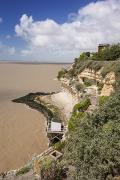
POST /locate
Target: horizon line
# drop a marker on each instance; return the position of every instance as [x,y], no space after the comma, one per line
[33,62]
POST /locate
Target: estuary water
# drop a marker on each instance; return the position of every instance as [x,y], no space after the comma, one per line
[23,130]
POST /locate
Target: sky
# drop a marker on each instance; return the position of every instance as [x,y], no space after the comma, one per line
[56,30]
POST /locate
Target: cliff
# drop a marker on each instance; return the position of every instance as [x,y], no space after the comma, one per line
[108,81]
[84,74]
[93,141]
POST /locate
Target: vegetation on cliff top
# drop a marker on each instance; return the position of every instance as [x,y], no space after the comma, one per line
[111,53]
[107,59]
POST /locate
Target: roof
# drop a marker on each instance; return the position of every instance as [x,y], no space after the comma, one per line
[55,126]
[103,44]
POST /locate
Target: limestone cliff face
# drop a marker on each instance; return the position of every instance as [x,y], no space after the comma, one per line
[90,74]
[70,89]
[94,88]
[108,82]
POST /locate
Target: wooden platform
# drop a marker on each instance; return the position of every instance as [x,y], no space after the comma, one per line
[55,129]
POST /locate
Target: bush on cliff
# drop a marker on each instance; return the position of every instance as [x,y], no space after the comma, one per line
[78,114]
[75,120]
[82,105]
[84,56]
[79,86]
[93,149]
[52,170]
[102,100]
[111,53]
[23,170]
[59,146]
[61,73]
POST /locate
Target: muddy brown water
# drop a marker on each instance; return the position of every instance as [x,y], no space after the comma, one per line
[23,130]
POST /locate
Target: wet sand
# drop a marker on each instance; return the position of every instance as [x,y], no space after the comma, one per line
[22,130]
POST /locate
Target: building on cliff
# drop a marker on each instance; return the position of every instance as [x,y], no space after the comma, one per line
[102,47]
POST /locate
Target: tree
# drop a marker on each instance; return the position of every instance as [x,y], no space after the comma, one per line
[84,56]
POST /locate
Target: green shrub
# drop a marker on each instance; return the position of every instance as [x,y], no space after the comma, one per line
[82,106]
[88,82]
[75,119]
[61,73]
[22,171]
[47,168]
[102,100]
[46,163]
[84,56]
[52,170]
[71,73]
[59,145]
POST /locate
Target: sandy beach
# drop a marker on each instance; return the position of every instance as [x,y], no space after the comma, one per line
[23,130]
[65,102]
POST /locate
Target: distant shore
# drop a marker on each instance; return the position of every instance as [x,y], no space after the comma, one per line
[32,62]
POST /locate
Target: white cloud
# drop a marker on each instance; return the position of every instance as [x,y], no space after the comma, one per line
[97,22]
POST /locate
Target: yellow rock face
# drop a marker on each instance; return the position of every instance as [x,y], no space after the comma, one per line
[90,74]
[109,81]
[116,178]
[107,90]
[110,78]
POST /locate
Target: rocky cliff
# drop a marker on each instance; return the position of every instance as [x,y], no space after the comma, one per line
[108,81]
[83,74]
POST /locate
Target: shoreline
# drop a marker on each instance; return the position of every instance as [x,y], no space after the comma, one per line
[42,102]
[34,101]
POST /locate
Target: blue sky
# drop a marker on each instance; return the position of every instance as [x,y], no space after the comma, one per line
[62,28]
[12,10]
